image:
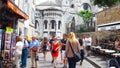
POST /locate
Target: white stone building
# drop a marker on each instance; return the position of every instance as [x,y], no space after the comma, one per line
[60,16]
[26,27]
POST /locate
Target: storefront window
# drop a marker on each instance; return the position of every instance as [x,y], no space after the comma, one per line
[26,7]
[33,16]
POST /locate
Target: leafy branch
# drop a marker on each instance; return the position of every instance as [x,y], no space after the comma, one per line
[86,15]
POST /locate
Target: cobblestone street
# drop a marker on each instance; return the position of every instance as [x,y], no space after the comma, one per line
[48,64]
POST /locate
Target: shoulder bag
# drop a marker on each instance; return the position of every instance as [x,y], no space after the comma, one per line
[77,56]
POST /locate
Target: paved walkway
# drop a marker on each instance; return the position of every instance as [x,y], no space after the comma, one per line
[47,63]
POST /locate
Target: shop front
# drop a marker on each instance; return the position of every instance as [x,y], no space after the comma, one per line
[9,15]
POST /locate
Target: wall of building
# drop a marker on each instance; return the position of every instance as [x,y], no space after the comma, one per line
[109,15]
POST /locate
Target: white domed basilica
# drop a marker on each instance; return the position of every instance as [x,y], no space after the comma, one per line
[56,16]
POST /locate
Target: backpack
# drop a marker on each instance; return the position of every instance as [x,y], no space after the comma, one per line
[45,46]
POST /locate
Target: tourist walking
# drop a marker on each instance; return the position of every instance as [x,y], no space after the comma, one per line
[88,43]
[45,47]
[82,46]
[55,51]
[34,45]
[18,51]
[72,42]
[63,46]
[24,53]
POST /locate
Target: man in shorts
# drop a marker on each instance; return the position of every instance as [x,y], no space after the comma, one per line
[88,43]
[63,44]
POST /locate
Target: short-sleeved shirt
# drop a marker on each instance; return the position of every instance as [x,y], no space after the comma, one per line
[88,41]
[34,43]
[19,47]
[64,42]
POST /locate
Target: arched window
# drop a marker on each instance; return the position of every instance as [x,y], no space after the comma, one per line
[53,24]
[36,24]
[59,24]
[73,25]
[45,24]
[72,6]
[86,6]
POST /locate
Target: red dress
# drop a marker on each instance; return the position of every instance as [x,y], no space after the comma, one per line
[56,48]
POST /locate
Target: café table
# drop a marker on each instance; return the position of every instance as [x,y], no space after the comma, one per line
[116,54]
[110,51]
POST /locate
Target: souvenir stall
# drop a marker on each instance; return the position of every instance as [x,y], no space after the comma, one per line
[9,15]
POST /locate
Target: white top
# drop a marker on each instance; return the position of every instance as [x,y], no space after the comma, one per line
[88,41]
[19,47]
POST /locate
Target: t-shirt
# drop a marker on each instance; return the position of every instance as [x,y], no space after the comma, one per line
[88,41]
[64,42]
[34,43]
[19,47]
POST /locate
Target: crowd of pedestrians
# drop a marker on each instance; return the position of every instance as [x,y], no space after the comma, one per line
[54,45]
[62,47]
[58,47]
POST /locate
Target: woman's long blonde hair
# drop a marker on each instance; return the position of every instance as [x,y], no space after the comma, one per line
[72,38]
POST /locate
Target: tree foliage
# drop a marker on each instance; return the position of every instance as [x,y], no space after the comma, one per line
[105,3]
[86,15]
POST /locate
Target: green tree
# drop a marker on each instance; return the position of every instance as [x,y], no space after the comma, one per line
[105,3]
[86,15]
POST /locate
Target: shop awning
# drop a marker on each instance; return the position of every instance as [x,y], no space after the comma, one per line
[109,26]
[13,7]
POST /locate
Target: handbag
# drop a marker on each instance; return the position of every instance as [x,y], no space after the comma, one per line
[53,51]
[77,56]
[35,48]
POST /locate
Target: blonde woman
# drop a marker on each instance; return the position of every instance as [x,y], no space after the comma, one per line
[18,51]
[76,47]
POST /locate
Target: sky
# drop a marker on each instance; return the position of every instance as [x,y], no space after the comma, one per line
[39,1]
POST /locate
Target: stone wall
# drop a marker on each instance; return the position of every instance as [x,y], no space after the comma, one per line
[109,15]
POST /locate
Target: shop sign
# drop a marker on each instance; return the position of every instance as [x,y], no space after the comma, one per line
[9,30]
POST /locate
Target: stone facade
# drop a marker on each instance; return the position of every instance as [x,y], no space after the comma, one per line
[109,15]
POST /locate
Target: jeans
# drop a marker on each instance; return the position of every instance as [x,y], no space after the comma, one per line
[24,57]
[72,63]
[82,54]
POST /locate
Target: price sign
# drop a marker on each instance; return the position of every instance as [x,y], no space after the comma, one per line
[9,29]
